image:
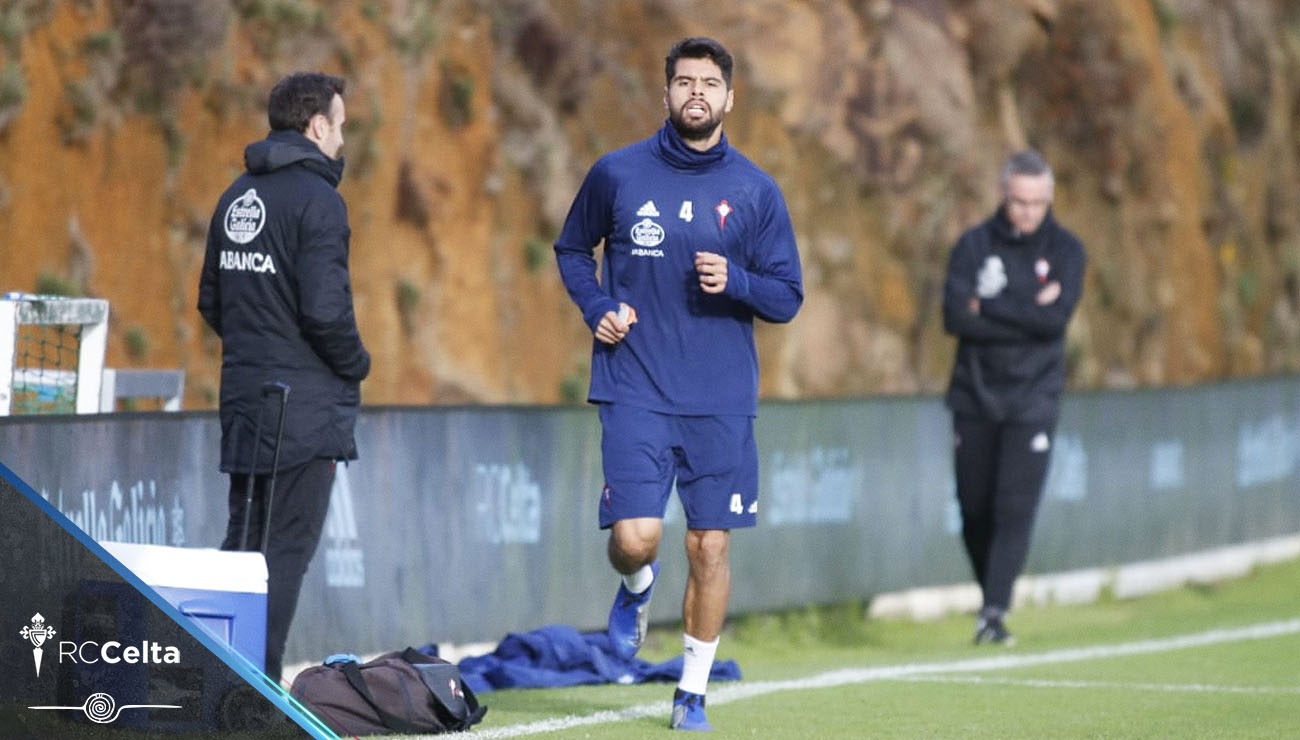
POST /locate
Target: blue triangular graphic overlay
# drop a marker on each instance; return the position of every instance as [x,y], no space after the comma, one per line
[85,642]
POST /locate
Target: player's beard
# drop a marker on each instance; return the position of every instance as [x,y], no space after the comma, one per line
[698,131]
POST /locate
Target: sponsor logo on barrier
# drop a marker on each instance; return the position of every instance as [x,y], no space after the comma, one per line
[812,486]
[345,561]
[102,708]
[674,512]
[1166,467]
[1067,475]
[1267,451]
[37,633]
[507,503]
[135,515]
[952,520]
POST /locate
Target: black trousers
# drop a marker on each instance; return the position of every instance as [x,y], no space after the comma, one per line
[1001,468]
[298,508]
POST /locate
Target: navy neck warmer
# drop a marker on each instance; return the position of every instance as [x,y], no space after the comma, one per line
[673,148]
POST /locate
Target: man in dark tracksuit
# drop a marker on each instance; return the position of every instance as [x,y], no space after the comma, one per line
[1013,283]
[275,288]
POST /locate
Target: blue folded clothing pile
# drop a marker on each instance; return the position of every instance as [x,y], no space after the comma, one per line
[560,655]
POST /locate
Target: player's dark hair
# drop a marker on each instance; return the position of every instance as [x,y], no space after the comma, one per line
[298,97]
[699,47]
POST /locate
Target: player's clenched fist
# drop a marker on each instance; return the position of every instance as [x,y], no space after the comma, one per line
[614,326]
[713,271]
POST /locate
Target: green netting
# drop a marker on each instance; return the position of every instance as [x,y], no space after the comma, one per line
[45,369]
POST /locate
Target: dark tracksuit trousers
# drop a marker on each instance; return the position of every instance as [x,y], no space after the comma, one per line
[298,508]
[1000,476]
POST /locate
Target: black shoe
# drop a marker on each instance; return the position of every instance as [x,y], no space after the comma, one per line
[991,630]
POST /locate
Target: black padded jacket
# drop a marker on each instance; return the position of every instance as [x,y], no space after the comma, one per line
[1010,363]
[275,287]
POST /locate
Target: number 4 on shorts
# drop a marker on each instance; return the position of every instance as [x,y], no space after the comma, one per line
[737,506]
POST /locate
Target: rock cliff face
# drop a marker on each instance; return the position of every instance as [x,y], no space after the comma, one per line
[1170,124]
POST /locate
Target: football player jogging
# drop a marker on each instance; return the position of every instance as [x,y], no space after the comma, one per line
[1013,282]
[697,242]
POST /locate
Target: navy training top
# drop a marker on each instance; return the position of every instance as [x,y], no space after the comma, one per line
[655,204]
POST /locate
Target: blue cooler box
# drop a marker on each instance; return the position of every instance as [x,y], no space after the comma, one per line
[225,592]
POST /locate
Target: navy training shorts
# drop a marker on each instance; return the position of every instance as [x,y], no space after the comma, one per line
[713,459]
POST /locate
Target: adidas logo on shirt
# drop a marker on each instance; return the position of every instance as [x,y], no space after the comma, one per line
[648,210]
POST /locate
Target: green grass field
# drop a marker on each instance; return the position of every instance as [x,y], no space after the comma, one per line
[1220,661]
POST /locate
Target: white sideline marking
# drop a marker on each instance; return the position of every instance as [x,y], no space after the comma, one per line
[907,671]
[1176,688]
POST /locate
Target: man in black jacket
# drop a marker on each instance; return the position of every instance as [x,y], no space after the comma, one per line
[275,288]
[1013,283]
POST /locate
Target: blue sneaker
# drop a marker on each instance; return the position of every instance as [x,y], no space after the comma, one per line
[628,618]
[688,712]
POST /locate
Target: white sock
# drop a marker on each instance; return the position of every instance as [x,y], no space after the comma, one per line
[697,662]
[640,580]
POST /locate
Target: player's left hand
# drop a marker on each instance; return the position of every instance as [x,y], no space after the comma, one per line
[713,271]
[1048,294]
